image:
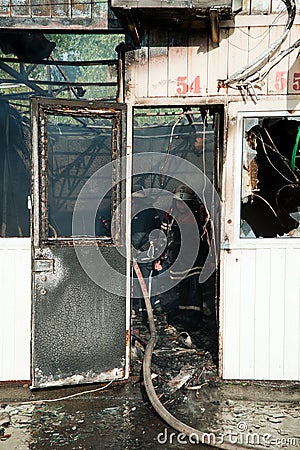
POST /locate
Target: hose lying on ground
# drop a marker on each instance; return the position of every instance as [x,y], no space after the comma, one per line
[196,436]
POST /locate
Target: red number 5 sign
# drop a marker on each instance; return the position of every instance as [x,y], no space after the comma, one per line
[281,81]
[296,81]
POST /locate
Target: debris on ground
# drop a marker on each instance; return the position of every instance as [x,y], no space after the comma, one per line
[186,381]
[184,373]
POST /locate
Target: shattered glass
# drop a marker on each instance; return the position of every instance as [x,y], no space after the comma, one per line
[270,193]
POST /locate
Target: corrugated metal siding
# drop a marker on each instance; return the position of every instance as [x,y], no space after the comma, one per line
[261,314]
[165,67]
[15,304]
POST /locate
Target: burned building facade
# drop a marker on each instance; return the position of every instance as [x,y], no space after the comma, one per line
[206,95]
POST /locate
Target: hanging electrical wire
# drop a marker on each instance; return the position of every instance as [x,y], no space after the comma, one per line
[169,148]
[250,72]
[274,149]
[273,62]
[261,36]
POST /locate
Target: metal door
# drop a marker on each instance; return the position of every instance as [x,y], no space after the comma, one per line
[79,327]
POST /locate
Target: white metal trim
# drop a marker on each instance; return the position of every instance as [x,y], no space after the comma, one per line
[128,229]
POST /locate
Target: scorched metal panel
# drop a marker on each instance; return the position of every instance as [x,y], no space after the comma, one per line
[76,324]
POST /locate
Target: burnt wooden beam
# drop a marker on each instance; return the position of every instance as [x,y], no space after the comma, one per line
[46,62]
[21,79]
[60,83]
[133,27]
[214,25]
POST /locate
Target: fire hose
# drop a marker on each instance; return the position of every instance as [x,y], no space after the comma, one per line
[197,435]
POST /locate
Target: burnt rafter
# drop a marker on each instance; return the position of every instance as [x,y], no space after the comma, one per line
[77,88]
[22,78]
[175,14]
[29,46]
[214,19]
[56,62]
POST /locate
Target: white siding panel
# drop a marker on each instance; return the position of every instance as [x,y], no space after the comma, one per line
[262,283]
[277,288]
[140,70]
[158,64]
[277,6]
[197,65]
[177,64]
[260,5]
[258,42]
[291,316]
[277,78]
[231,315]
[246,320]
[261,326]
[167,65]
[237,49]
[15,304]
[217,63]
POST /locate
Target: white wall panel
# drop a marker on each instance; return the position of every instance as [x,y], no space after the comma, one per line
[231,315]
[177,74]
[278,76]
[277,301]
[197,65]
[292,315]
[258,43]
[217,63]
[261,326]
[158,64]
[262,313]
[15,306]
[186,64]
[247,317]
[140,70]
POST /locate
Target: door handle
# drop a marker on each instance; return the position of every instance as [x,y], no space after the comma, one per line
[43,265]
[225,245]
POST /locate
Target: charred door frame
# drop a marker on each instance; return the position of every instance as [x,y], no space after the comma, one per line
[220,134]
[40,107]
[43,266]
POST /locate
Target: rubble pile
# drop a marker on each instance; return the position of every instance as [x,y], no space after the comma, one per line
[181,362]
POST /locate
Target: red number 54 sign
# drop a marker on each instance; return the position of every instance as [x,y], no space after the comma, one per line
[184,88]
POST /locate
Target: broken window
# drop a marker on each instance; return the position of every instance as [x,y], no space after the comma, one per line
[14,172]
[77,148]
[270,205]
[78,66]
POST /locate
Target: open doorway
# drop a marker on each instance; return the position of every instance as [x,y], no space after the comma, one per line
[193,135]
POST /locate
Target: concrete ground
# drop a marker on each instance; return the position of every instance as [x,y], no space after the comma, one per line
[120,416]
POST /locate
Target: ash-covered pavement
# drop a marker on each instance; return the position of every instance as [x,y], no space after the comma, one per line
[120,417]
